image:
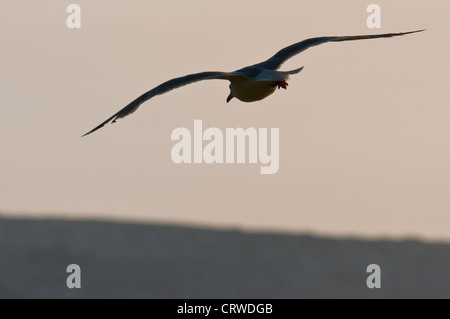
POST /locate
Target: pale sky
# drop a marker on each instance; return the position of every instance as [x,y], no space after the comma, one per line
[364,128]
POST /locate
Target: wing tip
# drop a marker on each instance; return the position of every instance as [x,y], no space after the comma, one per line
[91,131]
[96,128]
[416,31]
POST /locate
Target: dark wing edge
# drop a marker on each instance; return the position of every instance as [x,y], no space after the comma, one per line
[161,89]
[288,52]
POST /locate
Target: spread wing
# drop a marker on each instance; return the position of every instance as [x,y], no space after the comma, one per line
[164,88]
[284,54]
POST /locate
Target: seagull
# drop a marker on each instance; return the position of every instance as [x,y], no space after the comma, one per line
[249,84]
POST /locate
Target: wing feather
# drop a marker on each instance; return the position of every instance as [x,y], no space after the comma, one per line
[164,88]
[284,54]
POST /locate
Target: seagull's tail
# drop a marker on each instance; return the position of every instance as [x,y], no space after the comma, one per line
[295,71]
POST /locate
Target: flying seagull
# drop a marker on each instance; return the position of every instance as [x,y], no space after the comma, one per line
[251,83]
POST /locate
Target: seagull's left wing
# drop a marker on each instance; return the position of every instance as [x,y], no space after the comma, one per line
[284,54]
[164,88]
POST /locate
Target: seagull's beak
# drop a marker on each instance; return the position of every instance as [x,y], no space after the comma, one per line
[229,98]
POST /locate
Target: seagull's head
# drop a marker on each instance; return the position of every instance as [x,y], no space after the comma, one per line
[231,94]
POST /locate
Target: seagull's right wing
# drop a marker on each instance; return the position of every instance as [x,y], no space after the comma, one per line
[164,88]
[284,54]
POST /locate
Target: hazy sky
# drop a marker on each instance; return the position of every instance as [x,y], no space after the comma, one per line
[364,128]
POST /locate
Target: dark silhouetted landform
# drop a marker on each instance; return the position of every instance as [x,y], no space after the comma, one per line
[157,261]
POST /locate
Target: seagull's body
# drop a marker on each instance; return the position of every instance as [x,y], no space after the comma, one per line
[249,84]
[255,89]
